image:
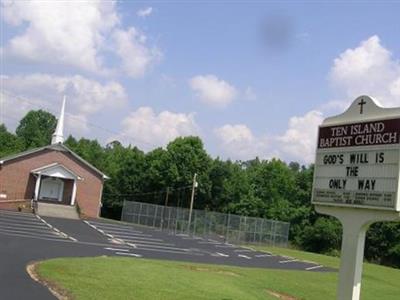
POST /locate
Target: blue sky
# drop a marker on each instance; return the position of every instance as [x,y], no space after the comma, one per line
[250,78]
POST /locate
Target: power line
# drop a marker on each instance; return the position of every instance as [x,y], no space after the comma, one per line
[132,139]
[170,190]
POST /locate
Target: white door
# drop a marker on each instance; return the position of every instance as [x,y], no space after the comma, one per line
[51,189]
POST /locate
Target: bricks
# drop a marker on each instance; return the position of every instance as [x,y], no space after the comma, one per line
[16,181]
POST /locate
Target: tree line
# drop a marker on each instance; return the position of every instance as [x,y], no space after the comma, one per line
[270,189]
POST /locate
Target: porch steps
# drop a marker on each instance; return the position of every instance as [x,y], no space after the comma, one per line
[57,210]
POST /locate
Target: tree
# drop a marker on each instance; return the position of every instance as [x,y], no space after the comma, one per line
[186,156]
[36,129]
[323,237]
[10,143]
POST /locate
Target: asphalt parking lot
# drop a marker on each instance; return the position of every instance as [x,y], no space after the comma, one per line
[25,237]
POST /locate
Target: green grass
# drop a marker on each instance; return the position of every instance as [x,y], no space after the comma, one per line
[131,278]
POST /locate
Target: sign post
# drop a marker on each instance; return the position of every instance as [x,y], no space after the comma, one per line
[356,179]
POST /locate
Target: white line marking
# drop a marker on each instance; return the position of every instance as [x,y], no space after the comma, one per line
[113,229]
[242,250]
[120,226]
[263,255]
[10,212]
[132,245]
[314,267]
[160,247]
[117,249]
[28,234]
[287,257]
[128,254]
[56,230]
[244,256]
[288,261]
[28,230]
[147,242]
[222,254]
[21,224]
[226,246]
[210,240]
[170,251]
[124,233]
[110,236]
[210,243]
[137,237]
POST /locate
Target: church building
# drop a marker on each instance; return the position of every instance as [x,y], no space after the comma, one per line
[53,176]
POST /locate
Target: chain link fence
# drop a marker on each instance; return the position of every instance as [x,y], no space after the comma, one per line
[224,227]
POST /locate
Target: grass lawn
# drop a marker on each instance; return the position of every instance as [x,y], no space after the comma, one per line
[132,278]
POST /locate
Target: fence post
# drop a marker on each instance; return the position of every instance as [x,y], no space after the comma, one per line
[195,221]
[273,232]
[140,212]
[155,216]
[123,211]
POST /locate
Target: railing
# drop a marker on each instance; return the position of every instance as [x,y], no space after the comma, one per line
[228,227]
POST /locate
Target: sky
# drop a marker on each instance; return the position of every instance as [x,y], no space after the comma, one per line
[251,78]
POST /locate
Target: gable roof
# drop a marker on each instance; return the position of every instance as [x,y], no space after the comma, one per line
[55,147]
[59,169]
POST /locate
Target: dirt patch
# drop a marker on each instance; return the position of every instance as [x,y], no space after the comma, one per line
[217,271]
[57,291]
[281,296]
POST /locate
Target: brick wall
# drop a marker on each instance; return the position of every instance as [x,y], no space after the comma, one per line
[17,182]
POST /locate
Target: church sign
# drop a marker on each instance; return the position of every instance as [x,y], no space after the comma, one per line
[357,159]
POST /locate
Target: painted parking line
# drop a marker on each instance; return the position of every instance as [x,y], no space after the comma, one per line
[147,242]
[106,225]
[41,237]
[172,251]
[28,230]
[114,228]
[242,250]
[22,224]
[288,261]
[116,249]
[129,254]
[244,256]
[56,230]
[263,255]
[210,243]
[314,267]
[32,234]
[16,214]
[226,246]
[124,233]
[161,247]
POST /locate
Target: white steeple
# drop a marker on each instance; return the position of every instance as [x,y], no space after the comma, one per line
[58,136]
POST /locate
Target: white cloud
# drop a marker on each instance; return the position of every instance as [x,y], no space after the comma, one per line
[60,31]
[75,34]
[299,140]
[145,12]
[146,129]
[297,143]
[136,57]
[238,142]
[84,96]
[368,69]
[212,90]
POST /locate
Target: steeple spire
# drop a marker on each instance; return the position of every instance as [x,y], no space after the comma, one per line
[58,136]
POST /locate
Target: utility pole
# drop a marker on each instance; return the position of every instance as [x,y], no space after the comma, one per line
[192,200]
